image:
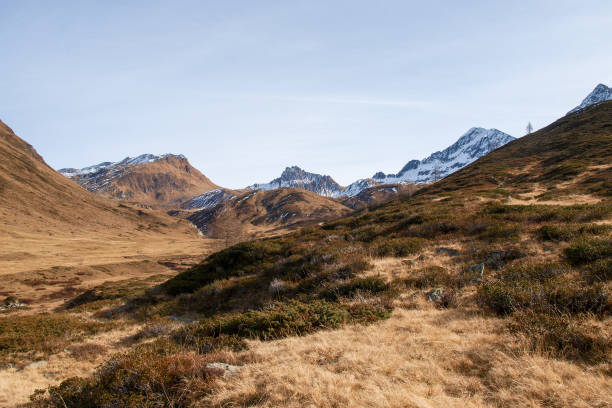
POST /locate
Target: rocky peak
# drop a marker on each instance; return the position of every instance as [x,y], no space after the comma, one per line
[599,94]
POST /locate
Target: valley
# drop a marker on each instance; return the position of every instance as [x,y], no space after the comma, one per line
[142,283]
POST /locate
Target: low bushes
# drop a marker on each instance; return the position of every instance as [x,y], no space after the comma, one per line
[588,250]
[555,295]
[276,321]
[563,336]
[239,260]
[398,247]
[142,378]
[431,277]
[364,286]
[599,271]
[44,333]
[564,232]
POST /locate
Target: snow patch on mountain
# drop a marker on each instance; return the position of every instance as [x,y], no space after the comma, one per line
[474,144]
[208,199]
[295,177]
[601,93]
[357,187]
[128,161]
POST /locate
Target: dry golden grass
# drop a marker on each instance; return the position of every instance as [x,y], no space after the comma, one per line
[418,358]
[17,384]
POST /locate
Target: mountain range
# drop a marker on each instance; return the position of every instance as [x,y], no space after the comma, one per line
[169,180]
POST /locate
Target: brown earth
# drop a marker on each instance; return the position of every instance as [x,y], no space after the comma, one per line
[167,182]
[259,212]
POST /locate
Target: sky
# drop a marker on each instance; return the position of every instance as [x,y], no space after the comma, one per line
[246,88]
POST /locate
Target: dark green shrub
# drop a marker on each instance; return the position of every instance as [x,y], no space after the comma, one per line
[568,232]
[278,320]
[432,276]
[555,295]
[398,247]
[499,231]
[242,259]
[563,336]
[588,250]
[44,333]
[365,286]
[144,378]
[599,271]
[533,272]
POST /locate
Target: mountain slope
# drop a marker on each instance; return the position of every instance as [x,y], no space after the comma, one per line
[570,156]
[410,303]
[209,199]
[47,220]
[166,180]
[601,93]
[475,143]
[261,211]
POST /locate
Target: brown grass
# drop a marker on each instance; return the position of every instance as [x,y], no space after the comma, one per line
[79,359]
[418,358]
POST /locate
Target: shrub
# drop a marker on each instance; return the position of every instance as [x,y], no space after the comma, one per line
[588,250]
[278,320]
[143,378]
[599,271]
[563,336]
[364,286]
[242,259]
[533,272]
[430,277]
[555,295]
[499,231]
[44,333]
[434,229]
[398,247]
[569,232]
[87,351]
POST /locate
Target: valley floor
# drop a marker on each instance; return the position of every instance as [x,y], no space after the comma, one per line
[45,274]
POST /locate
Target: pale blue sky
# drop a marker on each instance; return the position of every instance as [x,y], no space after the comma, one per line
[245,88]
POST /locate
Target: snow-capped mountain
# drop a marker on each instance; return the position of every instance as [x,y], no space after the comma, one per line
[208,199]
[149,179]
[472,145]
[295,177]
[128,161]
[600,93]
[357,187]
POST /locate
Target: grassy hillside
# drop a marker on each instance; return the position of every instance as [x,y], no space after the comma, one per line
[48,220]
[258,212]
[166,182]
[489,288]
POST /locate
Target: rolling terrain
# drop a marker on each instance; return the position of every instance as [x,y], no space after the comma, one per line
[159,181]
[488,288]
[47,220]
[57,241]
[259,212]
